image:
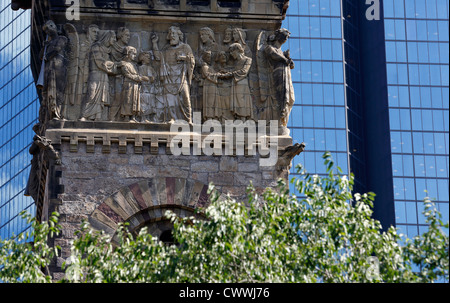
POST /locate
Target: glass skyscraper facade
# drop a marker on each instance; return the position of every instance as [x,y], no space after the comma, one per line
[327,43]
[19,107]
[337,102]
[319,114]
[417,54]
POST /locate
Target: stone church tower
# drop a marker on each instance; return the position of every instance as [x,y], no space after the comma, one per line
[145,103]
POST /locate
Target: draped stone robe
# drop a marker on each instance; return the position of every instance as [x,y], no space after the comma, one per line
[282,90]
[98,94]
[130,96]
[241,99]
[176,76]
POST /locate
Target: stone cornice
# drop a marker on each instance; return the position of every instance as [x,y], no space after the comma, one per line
[138,135]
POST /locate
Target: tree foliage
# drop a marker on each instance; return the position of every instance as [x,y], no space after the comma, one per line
[325,235]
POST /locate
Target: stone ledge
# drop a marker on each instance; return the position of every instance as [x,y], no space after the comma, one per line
[159,137]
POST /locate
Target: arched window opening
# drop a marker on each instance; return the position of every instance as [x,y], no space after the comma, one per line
[167,237]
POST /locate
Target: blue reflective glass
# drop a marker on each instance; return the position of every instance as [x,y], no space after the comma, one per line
[329,117]
[337,49]
[444,210]
[446,122]
[421,8]
[445,97]
[341,140]
[319,139]
[399,192]
[410,30]
[417,75]
[405,119]
[411,212]
[410,9]
[336,28]
[393,96]
[414,74]
[399,9]
[397,165]
[340,117]
[18,112]
[400,212]
[328,94]
[396,146]
[431,9]
[318,117]
[335,8]
[432,27]
[409,189]
[389,28]
[444,52]
[444,75]
[403,96]
[441,165]
[442,30]
[443,191]
[442,9]
[388,6]
[325,27]
[400,30]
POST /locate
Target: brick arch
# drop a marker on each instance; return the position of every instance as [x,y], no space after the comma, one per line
[146,201]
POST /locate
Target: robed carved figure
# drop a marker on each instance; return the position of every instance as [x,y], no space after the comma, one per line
[130,96]
[210,93]
[54,71]
[123,37]
[241,104]
[274,71]
[177,68]
[100,66]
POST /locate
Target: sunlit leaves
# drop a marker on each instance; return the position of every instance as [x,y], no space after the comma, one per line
[327,234]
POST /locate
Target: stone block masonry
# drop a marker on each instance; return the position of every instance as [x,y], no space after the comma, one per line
[116,185]
[119,82]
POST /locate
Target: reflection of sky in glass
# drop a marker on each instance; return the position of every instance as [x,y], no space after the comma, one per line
[417,55]
[318,116]
[18,112]
[417,52]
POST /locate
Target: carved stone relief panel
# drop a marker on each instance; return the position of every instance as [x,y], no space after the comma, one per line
[164,72]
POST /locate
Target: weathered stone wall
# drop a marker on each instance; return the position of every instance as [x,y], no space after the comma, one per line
[113,170]
[116,167]
[110,188]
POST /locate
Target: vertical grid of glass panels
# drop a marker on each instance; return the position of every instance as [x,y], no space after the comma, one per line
[18,111]
[417,54]
[318,116]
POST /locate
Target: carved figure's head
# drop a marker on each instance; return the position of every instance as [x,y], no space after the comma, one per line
[130,53]
[207,35]
[175,35]
[144,57]
[123,35]
[206,57]
[108,38]
[222,57]
[228,35]
[282,35]
[239,36]
[236,50]
[93,32]
[50,28]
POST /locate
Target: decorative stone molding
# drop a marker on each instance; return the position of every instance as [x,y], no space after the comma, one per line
[106,134]
[145,202]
